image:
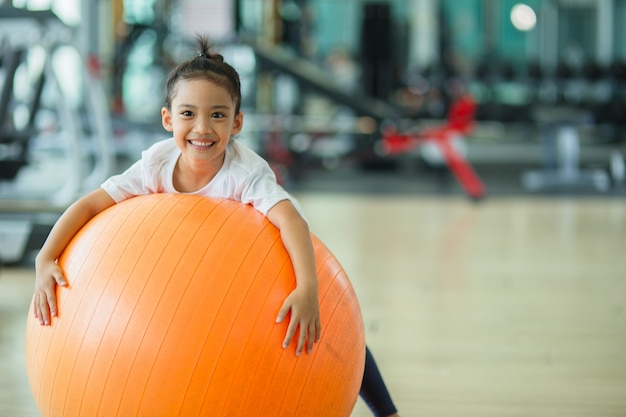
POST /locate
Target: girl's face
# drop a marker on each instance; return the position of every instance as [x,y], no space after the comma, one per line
[202,120]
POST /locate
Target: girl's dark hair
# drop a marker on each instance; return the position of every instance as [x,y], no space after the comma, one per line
[206,65]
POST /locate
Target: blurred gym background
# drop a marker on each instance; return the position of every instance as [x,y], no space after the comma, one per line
[338,95]
[464,159]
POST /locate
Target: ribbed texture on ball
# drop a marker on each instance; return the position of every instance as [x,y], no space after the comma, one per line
[171,312]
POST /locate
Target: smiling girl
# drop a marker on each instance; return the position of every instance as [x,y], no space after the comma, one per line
[202,111]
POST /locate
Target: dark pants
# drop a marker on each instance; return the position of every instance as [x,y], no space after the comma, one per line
[373,389]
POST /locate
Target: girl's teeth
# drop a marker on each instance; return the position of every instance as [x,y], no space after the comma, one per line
[202,144]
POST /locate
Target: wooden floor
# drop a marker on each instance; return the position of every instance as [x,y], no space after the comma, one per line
[514,307]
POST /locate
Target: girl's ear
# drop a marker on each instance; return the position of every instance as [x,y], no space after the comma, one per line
[166,119]
[237,123]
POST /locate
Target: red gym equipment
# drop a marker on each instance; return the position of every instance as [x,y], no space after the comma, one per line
[459,123]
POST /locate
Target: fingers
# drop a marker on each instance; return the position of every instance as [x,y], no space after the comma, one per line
[52,303]
[315,331]
[36,307]
[306,338]
[48,276]
[45,305]
[291,331]
[318,330]
[307,325]
[302,337]
[307,341]
[60,279]
[283,312]
[41,309]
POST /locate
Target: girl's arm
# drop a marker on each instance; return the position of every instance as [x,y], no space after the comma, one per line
[302,302]
[47,272]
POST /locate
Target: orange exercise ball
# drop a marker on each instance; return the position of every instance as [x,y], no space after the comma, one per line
[170,311]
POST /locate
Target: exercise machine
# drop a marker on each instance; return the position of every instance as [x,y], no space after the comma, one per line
[55,141]
[442,144]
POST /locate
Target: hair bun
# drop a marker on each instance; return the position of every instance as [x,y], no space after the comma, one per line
[204,49]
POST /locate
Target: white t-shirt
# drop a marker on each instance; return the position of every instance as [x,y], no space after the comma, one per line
[244,176]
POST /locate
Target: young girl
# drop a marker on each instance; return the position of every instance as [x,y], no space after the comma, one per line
[202,110]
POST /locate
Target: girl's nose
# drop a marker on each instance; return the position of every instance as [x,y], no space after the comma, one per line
[203,126]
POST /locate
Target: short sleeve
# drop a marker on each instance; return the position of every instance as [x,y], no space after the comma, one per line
[147,175]
[263,191]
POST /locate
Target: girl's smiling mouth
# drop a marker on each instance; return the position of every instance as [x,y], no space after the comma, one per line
[201,144]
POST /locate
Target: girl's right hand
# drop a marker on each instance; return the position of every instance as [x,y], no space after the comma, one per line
[47,276]
[47,272]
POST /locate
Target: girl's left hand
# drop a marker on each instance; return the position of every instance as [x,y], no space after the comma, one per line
[305,314]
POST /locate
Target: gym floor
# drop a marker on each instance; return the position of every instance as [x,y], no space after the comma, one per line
[512,306]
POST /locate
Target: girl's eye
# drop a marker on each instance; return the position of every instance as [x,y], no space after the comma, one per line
[218,115]
[187,113]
